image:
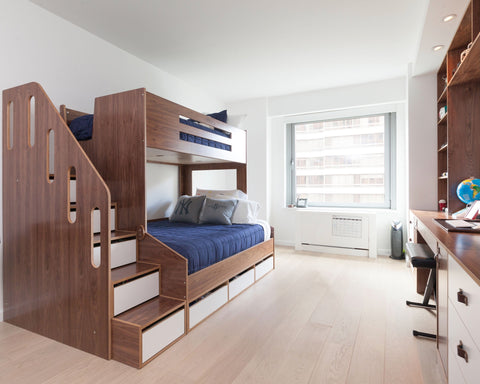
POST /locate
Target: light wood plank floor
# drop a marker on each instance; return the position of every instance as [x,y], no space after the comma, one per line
[315,319]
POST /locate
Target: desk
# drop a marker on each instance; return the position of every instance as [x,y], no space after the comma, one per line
[458,261]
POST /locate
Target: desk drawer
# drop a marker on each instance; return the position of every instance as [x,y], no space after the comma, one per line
[470,314]
[458,333]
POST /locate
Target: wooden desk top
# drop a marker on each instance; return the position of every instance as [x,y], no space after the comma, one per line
[464,247]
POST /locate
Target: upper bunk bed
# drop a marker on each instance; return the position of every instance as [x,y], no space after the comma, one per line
[150,128]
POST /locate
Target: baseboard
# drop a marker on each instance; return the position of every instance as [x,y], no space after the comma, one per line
[384,252]
[284,243]
[333,250]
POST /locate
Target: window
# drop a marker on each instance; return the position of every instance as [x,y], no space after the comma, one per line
[347,162]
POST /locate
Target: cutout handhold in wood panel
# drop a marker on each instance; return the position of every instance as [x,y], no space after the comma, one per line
[51,156]
[31,122]
[72,214]
[96,257]
[10,125]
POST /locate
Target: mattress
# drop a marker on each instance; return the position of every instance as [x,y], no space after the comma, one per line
[206,244]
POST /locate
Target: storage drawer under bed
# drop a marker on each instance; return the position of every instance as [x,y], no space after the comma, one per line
[262,268]
[240,283]
[204,307]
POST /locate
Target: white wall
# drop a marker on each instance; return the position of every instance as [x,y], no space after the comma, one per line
[74,67]
[258,149]
[277,109]
[422,142]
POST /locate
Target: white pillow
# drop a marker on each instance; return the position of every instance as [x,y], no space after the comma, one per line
[222,193]
[246,212]
[236,120]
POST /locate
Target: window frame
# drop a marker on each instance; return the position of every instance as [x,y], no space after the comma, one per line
[389,156]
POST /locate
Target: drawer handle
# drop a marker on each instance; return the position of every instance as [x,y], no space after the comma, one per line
[461,297]
[461,352]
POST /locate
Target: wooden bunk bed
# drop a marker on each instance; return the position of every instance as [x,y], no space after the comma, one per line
[129,129]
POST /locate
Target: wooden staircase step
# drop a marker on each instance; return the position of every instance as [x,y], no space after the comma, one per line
[151,311]
[131,271]
[116,235]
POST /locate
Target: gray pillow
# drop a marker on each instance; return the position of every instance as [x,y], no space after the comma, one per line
[187,209]
[217,211]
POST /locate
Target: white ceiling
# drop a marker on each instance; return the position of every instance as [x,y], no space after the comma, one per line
[252,48]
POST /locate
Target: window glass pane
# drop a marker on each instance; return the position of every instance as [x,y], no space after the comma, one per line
[342,162]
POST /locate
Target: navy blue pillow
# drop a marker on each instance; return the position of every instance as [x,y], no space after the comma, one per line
[82,127]
[222,115]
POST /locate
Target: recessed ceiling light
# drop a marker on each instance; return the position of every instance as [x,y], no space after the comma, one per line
[450,17]
[437,47]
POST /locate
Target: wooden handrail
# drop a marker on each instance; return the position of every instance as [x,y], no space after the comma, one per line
[51,286]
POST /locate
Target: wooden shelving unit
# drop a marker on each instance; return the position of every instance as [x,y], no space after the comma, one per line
[458,89]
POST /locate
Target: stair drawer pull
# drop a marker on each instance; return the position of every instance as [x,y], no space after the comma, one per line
[461,352]
[461,297]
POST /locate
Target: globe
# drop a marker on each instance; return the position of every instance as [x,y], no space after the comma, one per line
[469,190]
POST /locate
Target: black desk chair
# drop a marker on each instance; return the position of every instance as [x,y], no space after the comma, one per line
[421,256]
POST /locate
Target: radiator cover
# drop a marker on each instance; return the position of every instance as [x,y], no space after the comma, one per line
[336,232]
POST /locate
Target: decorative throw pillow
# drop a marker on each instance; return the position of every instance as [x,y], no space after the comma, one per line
[217,211]
[221,116]
[82,127]
[222,193]
[246,212]
[187,209]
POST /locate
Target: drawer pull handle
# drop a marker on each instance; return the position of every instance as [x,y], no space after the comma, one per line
[461,352]
[461,298]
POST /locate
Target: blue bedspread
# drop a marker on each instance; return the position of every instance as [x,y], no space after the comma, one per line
[206,244]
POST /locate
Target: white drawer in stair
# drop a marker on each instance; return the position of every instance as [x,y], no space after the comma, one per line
[240,283]
[135,292]
[96,219]
[205,307]
[160,335]
[121,253]
[262,268]
[470,367]
[73,191]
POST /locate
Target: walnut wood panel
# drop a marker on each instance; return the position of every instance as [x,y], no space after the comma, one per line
[49,283]
[475,19]
[462,246]
[463,138]
[468,70]
[151,311]
[131,271]
[163,131]
[174,267]
[209,278]
[463,34]
[186,175]
[117,149]
[126,343]
[68,115]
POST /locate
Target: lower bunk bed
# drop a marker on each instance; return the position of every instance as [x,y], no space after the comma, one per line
[208,264]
